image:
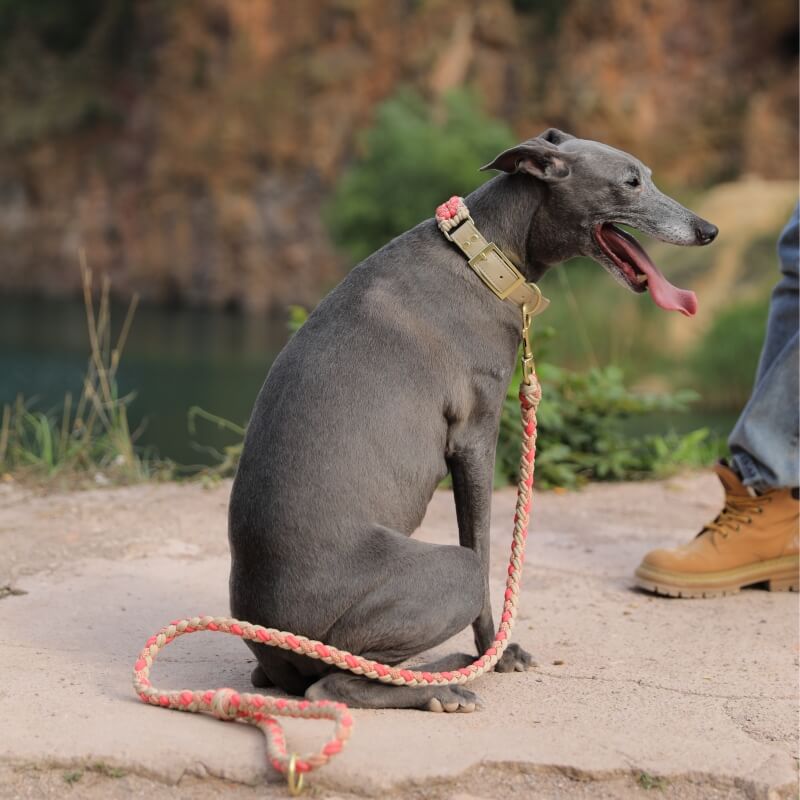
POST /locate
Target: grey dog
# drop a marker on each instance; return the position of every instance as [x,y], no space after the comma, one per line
[395,379]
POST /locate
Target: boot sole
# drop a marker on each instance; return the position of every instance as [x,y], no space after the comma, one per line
[779,575]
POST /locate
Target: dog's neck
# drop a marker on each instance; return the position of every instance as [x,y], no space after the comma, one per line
[505,211]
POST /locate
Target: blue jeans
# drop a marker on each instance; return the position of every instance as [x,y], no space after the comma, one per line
[763,442]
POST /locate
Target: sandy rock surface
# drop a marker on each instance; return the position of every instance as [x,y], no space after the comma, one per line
[690,698]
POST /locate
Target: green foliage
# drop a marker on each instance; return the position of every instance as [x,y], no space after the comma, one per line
[723,365]
[582,436]
[90,438]
[297,316]
[648,781]
[228,458]
[109,771]
[414,159]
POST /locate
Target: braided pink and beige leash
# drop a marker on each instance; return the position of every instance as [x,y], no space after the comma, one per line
[262,710]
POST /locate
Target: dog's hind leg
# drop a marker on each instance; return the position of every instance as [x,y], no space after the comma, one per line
[423,595]
[283,670]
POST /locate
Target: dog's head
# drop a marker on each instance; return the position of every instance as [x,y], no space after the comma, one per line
[588,187]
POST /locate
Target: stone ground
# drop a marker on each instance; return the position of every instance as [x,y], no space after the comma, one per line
[633,697]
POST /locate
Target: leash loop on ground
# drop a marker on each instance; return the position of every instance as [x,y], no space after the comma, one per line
[261,710]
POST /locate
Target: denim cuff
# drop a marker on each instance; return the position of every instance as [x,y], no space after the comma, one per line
[749,472]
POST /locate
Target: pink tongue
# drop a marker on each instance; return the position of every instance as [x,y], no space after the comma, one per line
[664,294]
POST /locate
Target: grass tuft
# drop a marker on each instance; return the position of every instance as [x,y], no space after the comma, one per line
[73,776]
[90,437]
[101,768]
[648,781]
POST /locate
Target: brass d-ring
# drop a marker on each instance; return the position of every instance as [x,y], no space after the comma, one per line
[294,779]
[539,297]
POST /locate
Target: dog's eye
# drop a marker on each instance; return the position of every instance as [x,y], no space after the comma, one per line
[634,182]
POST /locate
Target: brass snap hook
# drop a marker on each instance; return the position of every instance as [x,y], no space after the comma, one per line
[294,779]
[528,367]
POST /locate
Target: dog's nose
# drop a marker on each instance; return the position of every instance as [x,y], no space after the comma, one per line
[706,232]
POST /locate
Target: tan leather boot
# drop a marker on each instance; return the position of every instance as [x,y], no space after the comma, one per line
[753,540]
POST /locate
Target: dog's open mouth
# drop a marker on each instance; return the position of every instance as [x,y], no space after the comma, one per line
[639,272]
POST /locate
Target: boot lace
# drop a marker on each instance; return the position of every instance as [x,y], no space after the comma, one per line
[738,511]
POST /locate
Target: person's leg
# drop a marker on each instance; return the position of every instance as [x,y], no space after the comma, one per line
[754,539]
[764,441]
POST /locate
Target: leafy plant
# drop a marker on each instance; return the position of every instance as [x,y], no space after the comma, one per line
[414,158]
[582,436]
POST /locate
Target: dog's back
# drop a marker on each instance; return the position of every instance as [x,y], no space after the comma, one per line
[336,444]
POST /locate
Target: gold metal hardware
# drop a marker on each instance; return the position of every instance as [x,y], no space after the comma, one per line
[294,779]
[494,268]
[528,367]
[501,291]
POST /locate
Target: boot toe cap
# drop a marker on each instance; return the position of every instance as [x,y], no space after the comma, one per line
[663,559]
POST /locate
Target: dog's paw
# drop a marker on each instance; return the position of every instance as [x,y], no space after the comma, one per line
[515,659]
[453,698]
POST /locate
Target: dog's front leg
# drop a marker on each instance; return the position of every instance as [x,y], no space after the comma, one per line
[472,472]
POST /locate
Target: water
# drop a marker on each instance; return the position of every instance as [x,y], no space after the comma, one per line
[176,359]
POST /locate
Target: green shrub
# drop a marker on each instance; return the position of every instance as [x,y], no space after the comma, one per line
[412,162]
[581,431]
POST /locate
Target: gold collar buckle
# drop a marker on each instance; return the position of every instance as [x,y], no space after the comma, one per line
[501,282]
[494,268]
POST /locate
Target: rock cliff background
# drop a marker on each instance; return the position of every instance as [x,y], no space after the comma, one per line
[189,147]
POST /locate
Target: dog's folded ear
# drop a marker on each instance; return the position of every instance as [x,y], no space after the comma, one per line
[537,157]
